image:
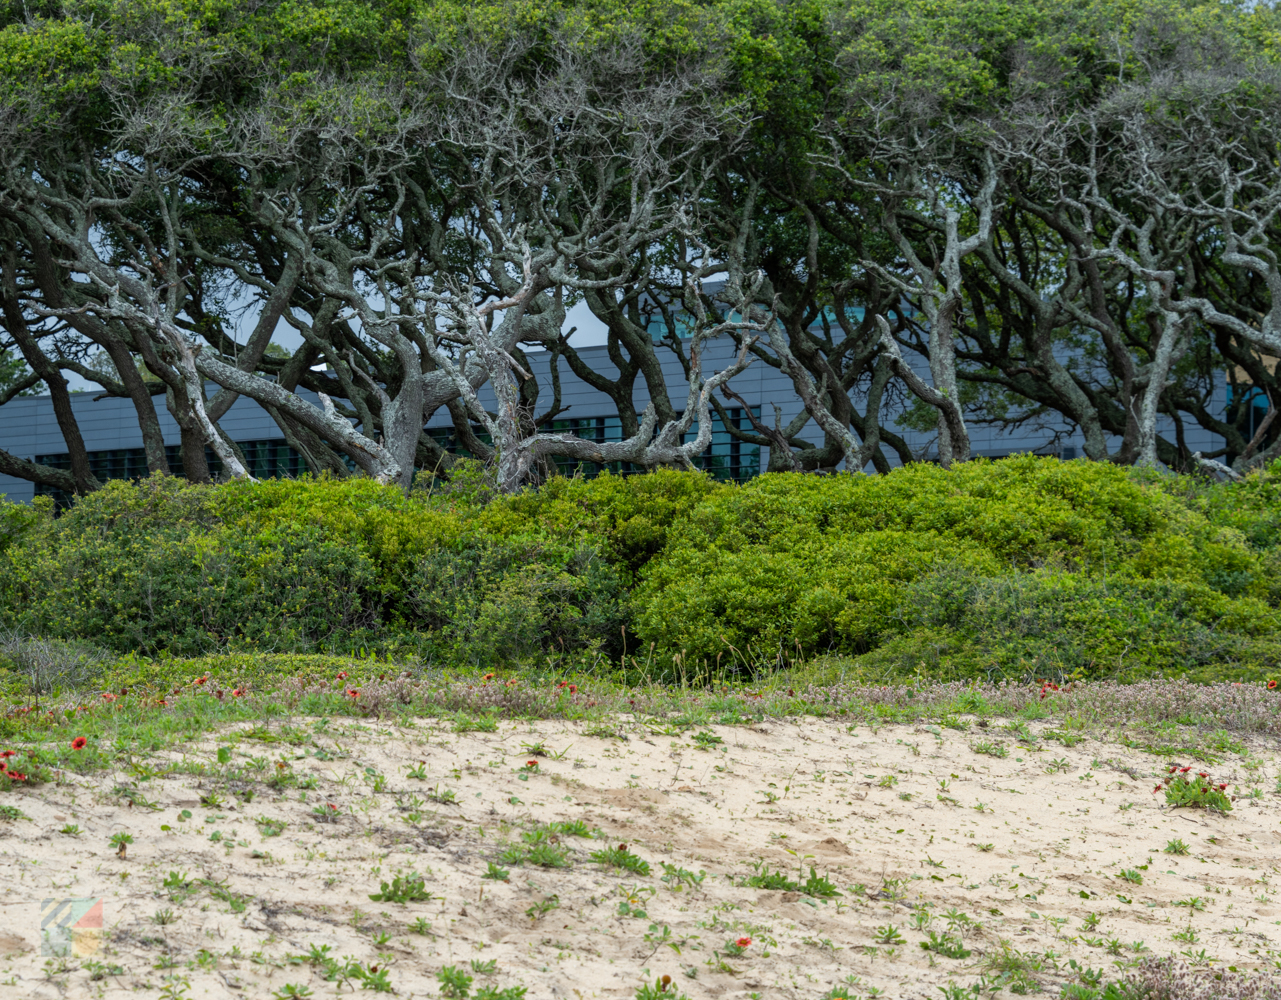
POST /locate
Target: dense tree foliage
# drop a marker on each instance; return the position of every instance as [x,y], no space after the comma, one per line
[1067,208]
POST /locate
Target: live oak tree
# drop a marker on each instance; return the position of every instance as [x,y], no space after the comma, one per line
[933,215]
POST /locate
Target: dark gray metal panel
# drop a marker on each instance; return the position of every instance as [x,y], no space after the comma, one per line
[16,490]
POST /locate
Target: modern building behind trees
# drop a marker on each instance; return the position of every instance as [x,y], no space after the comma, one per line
[114,443]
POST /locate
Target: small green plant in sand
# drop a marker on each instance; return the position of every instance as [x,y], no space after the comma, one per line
[661,989]
[946,944]
[454,983]
[468,722]
[494,993]
[818,886]
[548,856]
[1184,787]
[270,827]
[575,828]
[328,813]
[402,889]
[621,857]
[676,876]
[542,908]
[292,992]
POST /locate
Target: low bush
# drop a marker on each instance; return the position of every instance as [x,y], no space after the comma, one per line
[1023,567]
[303,566]
[1027,566]
[1054,624]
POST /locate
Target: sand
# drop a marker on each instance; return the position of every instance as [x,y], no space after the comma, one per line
[1014,854]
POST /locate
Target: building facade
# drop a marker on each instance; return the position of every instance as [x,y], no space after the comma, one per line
[111,434]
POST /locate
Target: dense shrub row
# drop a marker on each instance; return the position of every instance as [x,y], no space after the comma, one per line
[1025,566]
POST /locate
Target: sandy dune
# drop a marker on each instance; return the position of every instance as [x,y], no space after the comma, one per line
[1005,856]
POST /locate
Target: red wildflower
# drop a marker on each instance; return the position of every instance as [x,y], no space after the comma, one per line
[7,753]
[743,942]
[200,681]
[342,675]
[1222,787]
[162,702]
[218,694]
[238,692]
[1205,791]
[79,743]
[108,696]
[573,689]
[15,776]
[562,684]
[353,692]
[1272,685]
[1185,770]
[333,807]
[4,765]
[1202,774]
[1157,789]
[531,763]
[487,678]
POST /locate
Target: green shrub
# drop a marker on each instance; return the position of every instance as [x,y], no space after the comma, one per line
[1023,567]
[169,566]
[1054,624]
[1027,566]
[300,566]
[510,599]
[631,515]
